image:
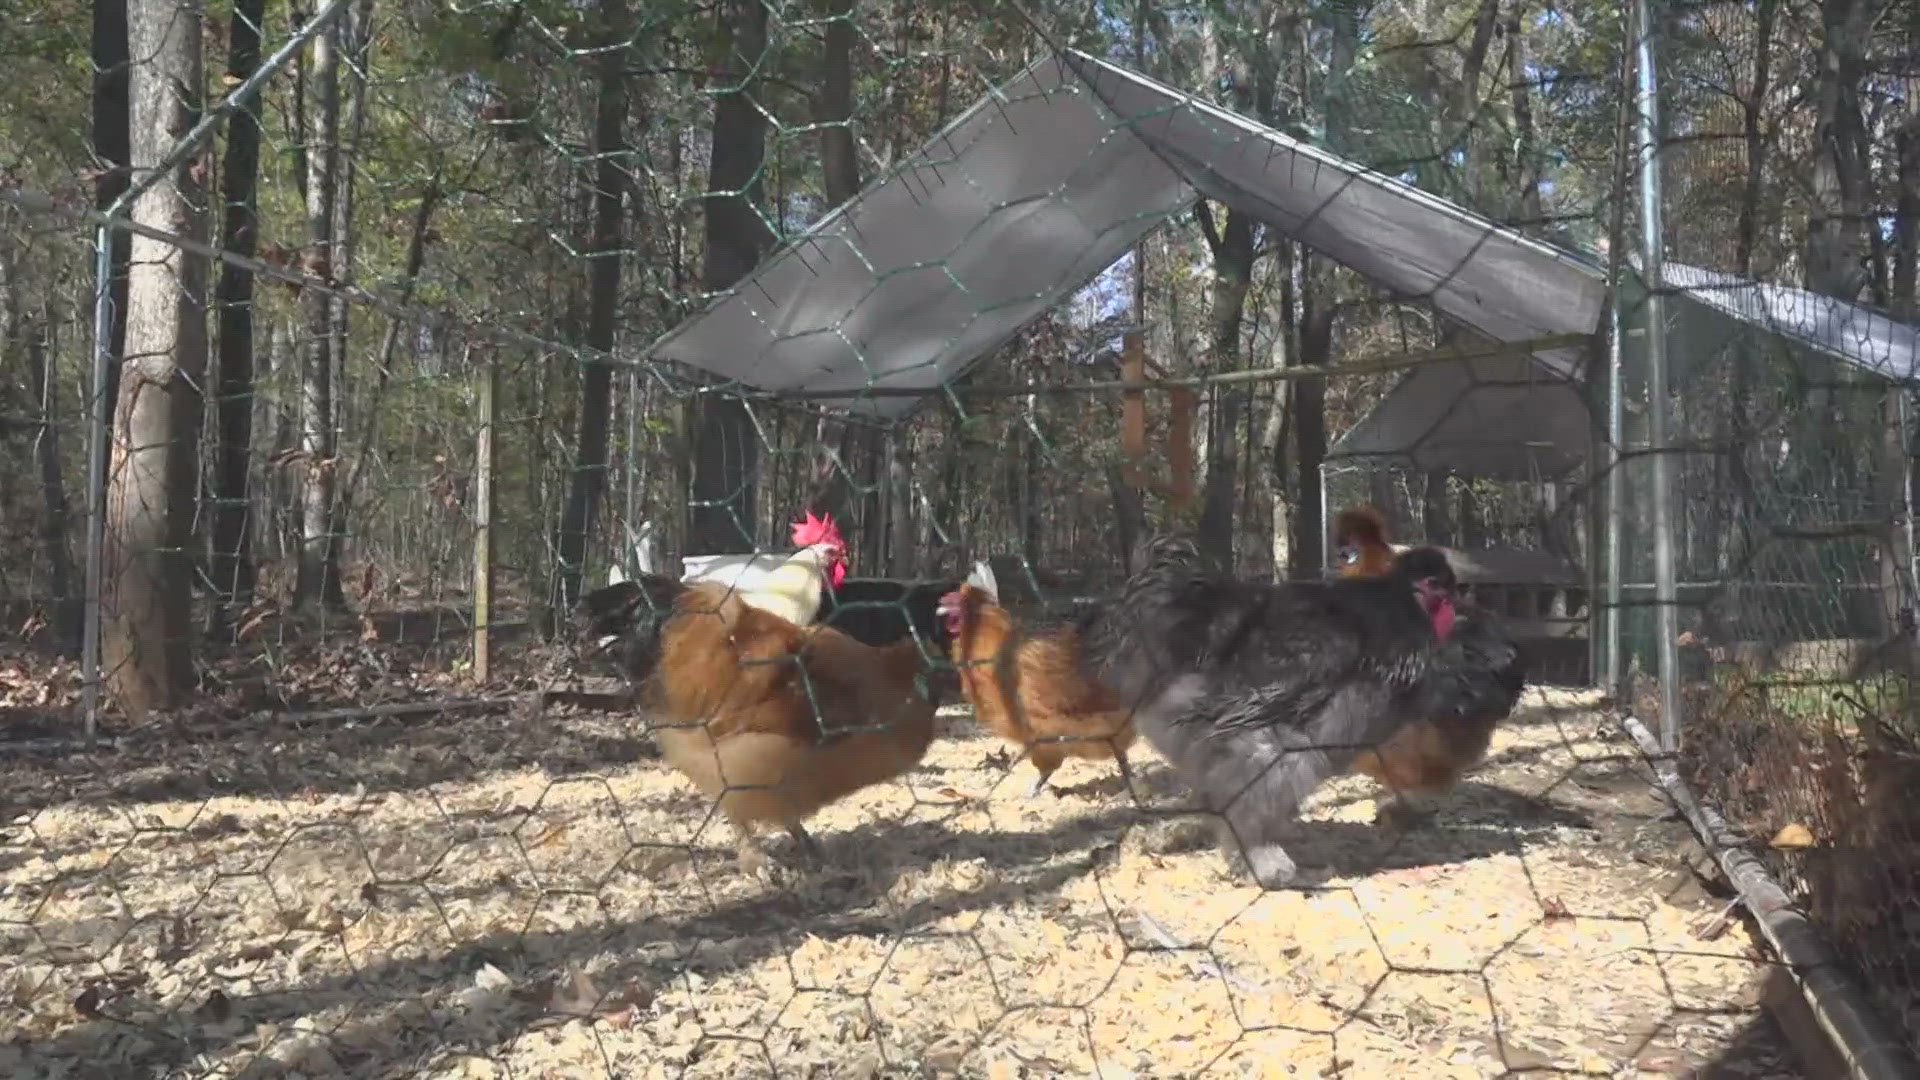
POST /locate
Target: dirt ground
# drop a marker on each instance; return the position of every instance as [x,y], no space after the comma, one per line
[509,894]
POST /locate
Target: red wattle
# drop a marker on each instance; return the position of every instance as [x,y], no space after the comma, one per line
[1443,619]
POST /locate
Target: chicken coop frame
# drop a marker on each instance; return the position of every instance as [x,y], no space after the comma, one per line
[1596,386]
[1054,174]
[1048,179]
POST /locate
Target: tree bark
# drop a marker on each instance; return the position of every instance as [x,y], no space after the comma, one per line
[588,484]
[1753,137]
[853,491]
[1255,73]
[231,562]
[1278,434]
[1232,275]
[318,578]
[152,479]
[1436,519]
[1836,233]
[352,35]
[1310,433]
[1530,210]
[901,562]
[1318,313]
[280,364]
[839,151]
[725,444]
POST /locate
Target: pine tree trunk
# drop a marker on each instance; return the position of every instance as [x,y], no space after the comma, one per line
[1310,431]
[112,123]
[1752,105]
[588,483]
[725,445]
[152,478]
[1836,233]
[1232,276]
[231,562]
[852,492]
[318,578]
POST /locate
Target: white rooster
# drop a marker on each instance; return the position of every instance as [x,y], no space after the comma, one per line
[792,586]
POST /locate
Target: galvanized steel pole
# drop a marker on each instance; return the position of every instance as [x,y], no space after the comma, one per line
[1659,420]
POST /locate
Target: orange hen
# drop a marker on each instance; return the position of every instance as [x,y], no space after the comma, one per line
[1360,537]
[776,720]
[1028,687]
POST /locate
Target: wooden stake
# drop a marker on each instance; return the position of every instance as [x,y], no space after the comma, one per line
[483,526]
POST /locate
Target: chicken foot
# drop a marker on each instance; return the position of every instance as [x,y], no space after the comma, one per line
[1039,784]
[1047,766]
[1404,810]
[806,843]
[756,859]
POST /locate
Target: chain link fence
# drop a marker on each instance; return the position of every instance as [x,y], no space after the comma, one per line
[462,315]
[1792,476]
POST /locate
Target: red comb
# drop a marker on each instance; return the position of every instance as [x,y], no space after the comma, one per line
[811,530]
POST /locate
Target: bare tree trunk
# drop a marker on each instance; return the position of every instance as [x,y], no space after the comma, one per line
[725,446]
[839,151]
[1747,230]
[318,578]
[231,560]
[900,547]
[22,334]
[1436,519]
[1319,311]
[1467,105]
[56,519]
[146,643]
[1232,275]
[1520,88]
[282,368]
[588,483]
[1473,521]
[112,123]
[1310,432]
[852,488]
[1256,72]
[1836,234]
[1903,298]
[353,37]
[390,345]
[1279,426]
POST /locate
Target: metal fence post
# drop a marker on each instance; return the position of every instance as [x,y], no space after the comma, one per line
[99,431]
[1659,420]
[483,525]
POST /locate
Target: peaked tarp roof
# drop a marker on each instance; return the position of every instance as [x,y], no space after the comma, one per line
[1052,176]
[1512,418]
[1044,183]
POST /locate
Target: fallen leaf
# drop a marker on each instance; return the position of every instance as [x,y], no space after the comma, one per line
[1555,908]
[88,1003]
